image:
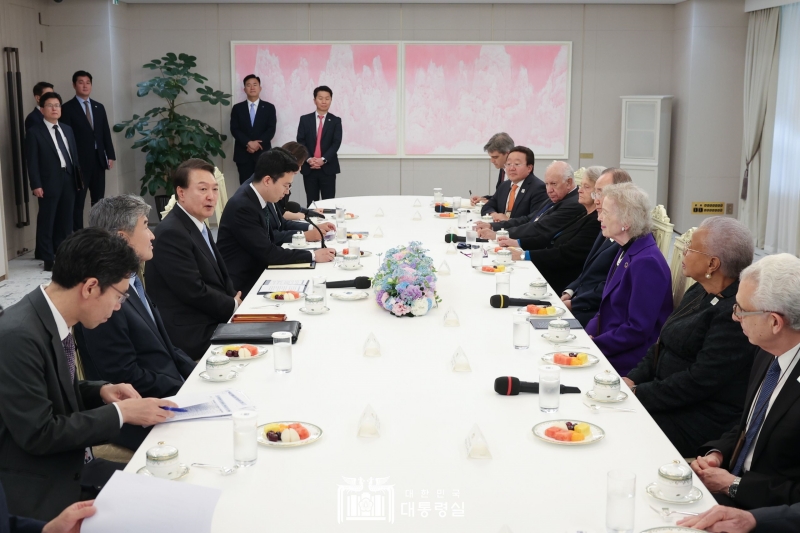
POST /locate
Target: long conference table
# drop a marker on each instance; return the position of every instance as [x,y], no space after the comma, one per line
[425,410]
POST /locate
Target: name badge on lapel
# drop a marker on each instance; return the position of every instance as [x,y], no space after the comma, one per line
[522,191]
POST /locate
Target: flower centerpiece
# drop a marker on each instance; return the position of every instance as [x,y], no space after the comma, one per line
[405,284]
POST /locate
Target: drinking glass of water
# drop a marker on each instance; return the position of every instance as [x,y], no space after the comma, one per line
[620,501]
[502,282]
[522,330]
[549,388]
[245,443]
[282,351]
[341,233]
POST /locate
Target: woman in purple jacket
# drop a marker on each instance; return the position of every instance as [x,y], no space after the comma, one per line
[637,298]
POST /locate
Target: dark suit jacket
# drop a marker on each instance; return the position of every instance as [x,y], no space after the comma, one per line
[191,288]
[588,287]
[563,257]
[694,380]
[16,524]
[774,475]
[44,166]
[282,229]
[92,143]
[46,421]
[263,128]
[34,117]
[331,141]
[246,242]
[780,519]
[637,300]
[535,233]
[501,176]
[531,193]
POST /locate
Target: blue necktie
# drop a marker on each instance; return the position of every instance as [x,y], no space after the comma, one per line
[63,148]
[208,241]
[139,288]
[759,414]
[252,113]
[543,211]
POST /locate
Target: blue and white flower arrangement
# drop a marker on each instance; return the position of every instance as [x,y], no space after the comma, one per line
[405,284]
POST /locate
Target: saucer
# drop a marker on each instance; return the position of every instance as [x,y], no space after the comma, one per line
[695,495]
[496,262]
[546,336]
[306,311]
[548,294]
[183,470]
[349,295]
[621,397]
[341,265]
[205,377]
[301,246]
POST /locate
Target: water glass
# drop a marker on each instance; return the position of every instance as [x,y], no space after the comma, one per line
[245,443]
[354,249]
[282,351]
[502,282]
[463,218]
[340,214]
[522,330]
[620,501]
[549,388]
[477,256]
[456,203]
[472,236]
[320,286]
[438,197]
[341,233]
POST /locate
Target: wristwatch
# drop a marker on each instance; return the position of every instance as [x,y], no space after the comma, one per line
[734,487]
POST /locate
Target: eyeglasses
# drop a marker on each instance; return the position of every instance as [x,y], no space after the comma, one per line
[687,250]
[515,165]
[739,313]
[52,106]
[123,296]
[596,195]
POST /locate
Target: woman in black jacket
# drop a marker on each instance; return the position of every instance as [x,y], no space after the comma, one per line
[693,381]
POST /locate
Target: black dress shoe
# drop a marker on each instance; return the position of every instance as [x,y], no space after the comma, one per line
[48,266]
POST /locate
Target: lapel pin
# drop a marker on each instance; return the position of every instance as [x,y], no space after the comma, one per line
[522,191]
[626,264]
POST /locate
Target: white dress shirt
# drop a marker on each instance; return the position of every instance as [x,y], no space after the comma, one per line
[787,362]
[63,331]
[258,195]
[55,142]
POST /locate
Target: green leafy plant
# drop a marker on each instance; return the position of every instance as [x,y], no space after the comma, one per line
[174,137]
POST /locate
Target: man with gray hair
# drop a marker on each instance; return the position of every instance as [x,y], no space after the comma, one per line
[756,463]
[535,230]
[498,148]
[133,345]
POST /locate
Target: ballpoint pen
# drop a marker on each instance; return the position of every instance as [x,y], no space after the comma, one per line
[174,409]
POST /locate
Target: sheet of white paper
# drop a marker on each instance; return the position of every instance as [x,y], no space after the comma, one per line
[186,400]
[216,405]
[132,503]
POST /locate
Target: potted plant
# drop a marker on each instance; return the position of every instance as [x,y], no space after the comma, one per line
[174,137]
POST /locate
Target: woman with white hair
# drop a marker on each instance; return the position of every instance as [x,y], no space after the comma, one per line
[693,380]
[637,298]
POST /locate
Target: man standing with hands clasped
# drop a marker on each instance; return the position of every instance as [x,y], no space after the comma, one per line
[321,133]
[253,124]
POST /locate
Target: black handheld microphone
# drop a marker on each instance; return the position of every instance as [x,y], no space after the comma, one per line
[511,386]
[361,282]
[294,207]
[452,237]
[312,213]
[501,301]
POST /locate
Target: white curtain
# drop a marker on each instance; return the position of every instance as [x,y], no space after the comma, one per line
[783,216]
[759,90]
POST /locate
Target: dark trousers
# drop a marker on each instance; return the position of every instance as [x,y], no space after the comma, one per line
[246,169]
[317,183]
[54,221]
[94,182]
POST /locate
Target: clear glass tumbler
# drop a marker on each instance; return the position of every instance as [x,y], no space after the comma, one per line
[620,501]
[282,351]
[472,236]
[503,283]
[522,330]
[320,287]
[341,233]
[477,256]
[245,443]
[549,388]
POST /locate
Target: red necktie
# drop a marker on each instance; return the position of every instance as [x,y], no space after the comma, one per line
[317,149]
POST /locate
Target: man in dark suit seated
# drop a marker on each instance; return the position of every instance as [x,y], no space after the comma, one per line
[778,519]
[521,192]
[245,235]
[88,119]
[54,171]
[187,277]
[498,147]
[756,463]
[69,521]
[535,230]
[49,418]
[36,116]
[321,133]
[133,345]
[253,124]
[582,296]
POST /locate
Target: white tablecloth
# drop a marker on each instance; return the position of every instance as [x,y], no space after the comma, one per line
[426,411]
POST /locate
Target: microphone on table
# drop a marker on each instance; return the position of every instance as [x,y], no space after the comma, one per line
[511,386]
[312,213]
[501,301]
[294,207]
[452,237]
[361,282]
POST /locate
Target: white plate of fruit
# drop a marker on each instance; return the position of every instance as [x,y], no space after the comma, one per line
[286,434]
[241,351]
[568,432]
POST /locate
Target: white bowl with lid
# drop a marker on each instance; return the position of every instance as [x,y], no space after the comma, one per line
[163,462]
[674,480]
[298,239]
[606,385]
[558,329]
[504,257]
[537,289]
[500,234]
[218,367]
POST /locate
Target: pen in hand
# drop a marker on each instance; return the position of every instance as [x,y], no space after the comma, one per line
[174,409]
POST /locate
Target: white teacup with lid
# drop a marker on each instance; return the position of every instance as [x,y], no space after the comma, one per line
[351,262]
[606,386]
[674,480]
[558,330]
[162,461]
[537,289]
[487,219]
[501,233]
[299,239]
[504,257]
[218,367]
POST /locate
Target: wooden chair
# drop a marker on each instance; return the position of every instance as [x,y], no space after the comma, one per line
[680,283]
[662,229]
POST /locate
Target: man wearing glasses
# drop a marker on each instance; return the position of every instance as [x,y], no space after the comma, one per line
[756,463]
[54,171]
[521,192]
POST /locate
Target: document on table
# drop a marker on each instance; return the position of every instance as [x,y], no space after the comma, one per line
[210,406]
[272,285]
[131,503]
